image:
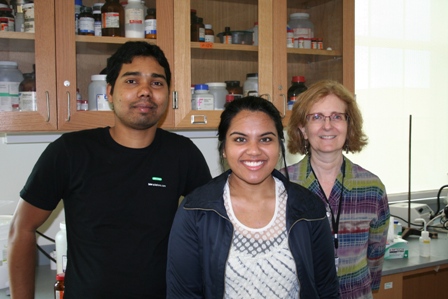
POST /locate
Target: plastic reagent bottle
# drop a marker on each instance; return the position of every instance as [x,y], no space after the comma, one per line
[61,248]
[425,240]
[134,21]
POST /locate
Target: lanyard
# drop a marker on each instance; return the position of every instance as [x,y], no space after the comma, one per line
[334,222]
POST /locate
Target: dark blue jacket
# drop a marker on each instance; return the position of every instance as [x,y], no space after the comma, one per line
[202,234]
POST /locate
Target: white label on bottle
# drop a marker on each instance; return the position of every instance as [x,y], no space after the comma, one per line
[203,104]
[97,28]
[134,16]
[102,103]
[111,20]
[150,26]
[201,34]
[86,25]
[28,101]
[209,38]
[9,95]
[302,32]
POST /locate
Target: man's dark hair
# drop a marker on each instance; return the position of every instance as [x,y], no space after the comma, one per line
[127,52]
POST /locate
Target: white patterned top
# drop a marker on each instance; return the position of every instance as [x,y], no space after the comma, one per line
[260,264]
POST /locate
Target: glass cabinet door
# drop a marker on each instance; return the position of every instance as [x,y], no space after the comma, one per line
[33,50]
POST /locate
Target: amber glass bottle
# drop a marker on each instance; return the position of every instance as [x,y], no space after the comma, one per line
[112,13]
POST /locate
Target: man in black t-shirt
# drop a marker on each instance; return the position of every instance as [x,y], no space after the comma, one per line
[120,186]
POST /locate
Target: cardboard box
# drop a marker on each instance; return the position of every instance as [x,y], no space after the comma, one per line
[397,249]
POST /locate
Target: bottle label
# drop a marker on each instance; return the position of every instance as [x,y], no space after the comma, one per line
[201,34]
[101,102]
[86,25]
[59,294]
[134,16]
[150,26]
[28,101]
[303,32]
[9,95]
[201,103]
[227,39]
[111,20]
[209,38]
[97,28]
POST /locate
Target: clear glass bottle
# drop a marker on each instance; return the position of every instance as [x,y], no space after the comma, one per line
[112,13]
[134,19]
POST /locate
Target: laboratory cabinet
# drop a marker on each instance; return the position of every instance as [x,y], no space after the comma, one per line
[65,61]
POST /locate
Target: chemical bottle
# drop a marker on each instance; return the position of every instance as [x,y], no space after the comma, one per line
[59,286]
[302,26]
[255,34]
[61,248]
[297,87]
[227,37]
[18,24]
[397,228]
[112,13]
[233,87]
[209,34]
[6,19]
[219,92]
[134,19]
[202,99]
[425,240]
[97,23]
[197,29]
[27,92]
[97,94]
[78,5]
[10,78]
[151,23]
[86,21]
[250,86]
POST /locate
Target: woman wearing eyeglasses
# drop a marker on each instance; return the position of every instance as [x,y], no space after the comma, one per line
[326,121]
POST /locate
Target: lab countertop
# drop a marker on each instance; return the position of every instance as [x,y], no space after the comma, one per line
[45,277]
[438,256]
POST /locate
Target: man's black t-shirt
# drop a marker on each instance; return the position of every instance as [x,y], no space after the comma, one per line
[119,205]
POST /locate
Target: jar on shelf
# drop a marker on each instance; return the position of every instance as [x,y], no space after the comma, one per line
[202,99]
[97,100]
[219,92]
[134,19]
[112,13]
[297,87]
[233,87]
[27,92]
[250,86]
[301,25]
[151,23]
[86,21]
[209,34]
[10,78]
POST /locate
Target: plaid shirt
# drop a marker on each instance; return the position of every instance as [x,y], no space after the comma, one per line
[364,221]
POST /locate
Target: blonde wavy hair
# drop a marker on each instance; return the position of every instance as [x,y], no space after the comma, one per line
[356,139]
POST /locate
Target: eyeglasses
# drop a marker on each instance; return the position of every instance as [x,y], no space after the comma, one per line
[320,118]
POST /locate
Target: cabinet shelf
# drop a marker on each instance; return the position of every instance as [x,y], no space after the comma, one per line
[219,46]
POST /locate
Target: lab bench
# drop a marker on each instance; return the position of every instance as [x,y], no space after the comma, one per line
[407,278]
[416,276]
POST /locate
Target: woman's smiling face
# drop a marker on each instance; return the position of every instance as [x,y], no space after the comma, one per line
[252,147]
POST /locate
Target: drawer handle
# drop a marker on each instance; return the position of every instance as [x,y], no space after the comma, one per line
[47,96]
[68,107]
[198,119]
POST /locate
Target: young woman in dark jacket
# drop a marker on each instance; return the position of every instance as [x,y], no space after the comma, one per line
[250,233]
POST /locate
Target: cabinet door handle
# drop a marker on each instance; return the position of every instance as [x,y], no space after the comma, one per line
[284,106]
[47,97]
[68,107]
[199,119]
[175,100]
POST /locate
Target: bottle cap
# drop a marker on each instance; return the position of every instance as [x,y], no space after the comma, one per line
[98,77]
[298,79]
[201,87]
[60,276]
[425,234]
